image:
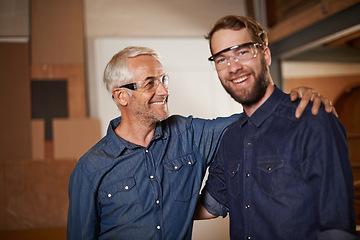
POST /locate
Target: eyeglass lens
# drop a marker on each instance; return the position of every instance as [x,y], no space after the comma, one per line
[151,83]
[238,53]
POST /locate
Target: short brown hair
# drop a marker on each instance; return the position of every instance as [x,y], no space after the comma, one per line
[236,22]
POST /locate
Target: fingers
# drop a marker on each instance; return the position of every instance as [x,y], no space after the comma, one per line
[301,107]
[309,94]
[294,95]
[333,110]
[329,107]
[316,98]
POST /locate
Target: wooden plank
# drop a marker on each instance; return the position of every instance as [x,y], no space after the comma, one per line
[38,139]
[15,107]
[57,32]
[73,137]
[307,18]
[74,74]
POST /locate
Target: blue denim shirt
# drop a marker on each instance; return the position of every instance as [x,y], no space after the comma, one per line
[283,178]
[119,190]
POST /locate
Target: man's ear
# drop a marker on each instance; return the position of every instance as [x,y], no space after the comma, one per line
[267,56]
[120,96]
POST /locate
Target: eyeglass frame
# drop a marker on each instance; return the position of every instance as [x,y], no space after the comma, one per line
[133,86]
[212,58]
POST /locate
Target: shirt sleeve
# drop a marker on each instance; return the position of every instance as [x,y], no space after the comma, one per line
[336,235]
[211,205]
[82,221]
[214,194]
[208,133]
[326,167]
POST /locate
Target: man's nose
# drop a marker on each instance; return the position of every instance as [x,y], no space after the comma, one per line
[234,64]
[162,90]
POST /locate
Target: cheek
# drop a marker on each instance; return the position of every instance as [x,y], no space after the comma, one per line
[222,75]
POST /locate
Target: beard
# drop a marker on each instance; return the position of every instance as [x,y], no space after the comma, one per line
[147,115]
[250,97]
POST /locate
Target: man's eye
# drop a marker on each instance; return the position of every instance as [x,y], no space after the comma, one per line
[149,84]
[220,60]
[243,52]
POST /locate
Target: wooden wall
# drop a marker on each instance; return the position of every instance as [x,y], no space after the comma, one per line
[15,130]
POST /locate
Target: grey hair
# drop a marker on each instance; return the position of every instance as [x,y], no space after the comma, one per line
[117,73]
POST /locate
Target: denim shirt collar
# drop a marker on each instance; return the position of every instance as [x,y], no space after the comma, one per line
[121,144]
[265,110]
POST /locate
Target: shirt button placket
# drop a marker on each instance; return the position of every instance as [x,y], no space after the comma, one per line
[157,187]
[247,170]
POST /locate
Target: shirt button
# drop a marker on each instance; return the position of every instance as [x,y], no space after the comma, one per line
[151,176]
[158,227]
[126,187]
[109,195]
[157,201]
[189,163]
[247,175]
[248,144]
[176,167]
[248,237]
[269,168]
[146,151]
[247,206]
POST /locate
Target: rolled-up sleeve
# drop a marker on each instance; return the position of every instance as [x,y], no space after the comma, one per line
[211,205]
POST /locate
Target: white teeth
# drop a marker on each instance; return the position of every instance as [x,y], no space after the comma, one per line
[240,79]
[158,103]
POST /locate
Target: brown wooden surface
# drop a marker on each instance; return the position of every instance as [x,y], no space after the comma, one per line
[74,75]
[15,129]
[34,194]
[306,18]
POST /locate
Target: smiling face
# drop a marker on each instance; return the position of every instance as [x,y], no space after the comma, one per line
[148,106]
[246,81]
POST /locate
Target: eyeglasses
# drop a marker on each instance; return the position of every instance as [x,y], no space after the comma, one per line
[149,84]
[240,53]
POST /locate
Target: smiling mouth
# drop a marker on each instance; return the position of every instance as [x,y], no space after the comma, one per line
[240,80]
[160,103]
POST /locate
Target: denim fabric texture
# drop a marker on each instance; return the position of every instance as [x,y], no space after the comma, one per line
[283,178]
[119,190]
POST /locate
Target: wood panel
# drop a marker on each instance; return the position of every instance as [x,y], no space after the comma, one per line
[73,137]
[38,139]
[34,194]
[306,18]
[74,75]
[15,129]
[57,34]
[328,86]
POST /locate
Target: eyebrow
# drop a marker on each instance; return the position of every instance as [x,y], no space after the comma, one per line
[150,78]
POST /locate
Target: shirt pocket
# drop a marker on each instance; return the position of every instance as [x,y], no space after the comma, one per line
[185,177]
[120,201]
[233,175]
[271,174]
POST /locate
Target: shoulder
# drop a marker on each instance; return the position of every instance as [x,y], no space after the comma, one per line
[98,157]
[287,108]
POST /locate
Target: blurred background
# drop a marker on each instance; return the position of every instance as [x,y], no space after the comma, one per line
[54,106]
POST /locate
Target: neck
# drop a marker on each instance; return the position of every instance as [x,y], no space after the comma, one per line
[249,110]
[135,132]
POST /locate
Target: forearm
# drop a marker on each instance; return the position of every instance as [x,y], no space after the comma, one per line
[201,213]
